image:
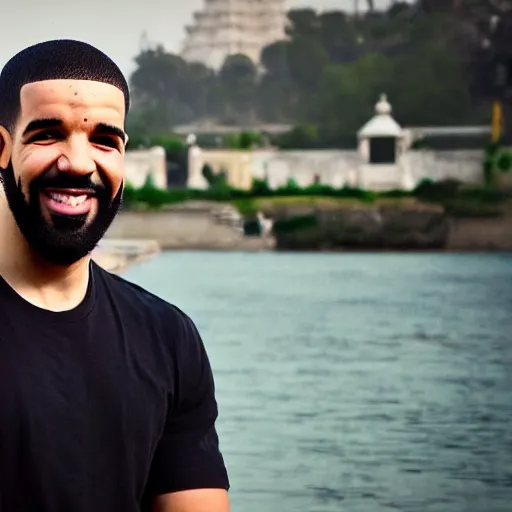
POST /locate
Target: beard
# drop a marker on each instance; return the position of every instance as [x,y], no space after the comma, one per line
[67,238]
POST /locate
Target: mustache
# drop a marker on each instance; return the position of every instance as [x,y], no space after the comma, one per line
[70,181]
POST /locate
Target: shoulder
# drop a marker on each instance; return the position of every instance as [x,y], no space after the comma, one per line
[145,308]
[170,339]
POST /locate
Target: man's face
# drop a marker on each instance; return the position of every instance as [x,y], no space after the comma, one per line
[65,180]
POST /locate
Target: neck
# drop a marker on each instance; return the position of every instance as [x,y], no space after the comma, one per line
[46,285]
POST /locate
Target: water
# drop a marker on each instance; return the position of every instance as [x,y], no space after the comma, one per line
[349,382]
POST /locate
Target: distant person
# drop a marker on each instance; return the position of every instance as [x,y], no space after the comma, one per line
[107,400]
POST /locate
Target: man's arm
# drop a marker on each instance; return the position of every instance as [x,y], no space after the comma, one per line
[188,473]
[198,500]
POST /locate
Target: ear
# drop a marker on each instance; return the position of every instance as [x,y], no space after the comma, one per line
[5,147]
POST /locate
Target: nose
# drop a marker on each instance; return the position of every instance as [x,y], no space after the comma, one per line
[76,157]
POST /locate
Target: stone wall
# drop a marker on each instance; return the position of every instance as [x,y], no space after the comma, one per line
[237,164]
[330,167]
[463,165]
[408,226]
[193,225]
[141,163]
[336,167]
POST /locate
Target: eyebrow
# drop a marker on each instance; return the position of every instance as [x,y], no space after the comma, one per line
[40,124]
[108,129]
[101,128]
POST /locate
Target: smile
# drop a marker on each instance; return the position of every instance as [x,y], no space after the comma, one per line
[67,201]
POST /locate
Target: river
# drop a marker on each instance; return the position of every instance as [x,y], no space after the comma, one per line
[355,382]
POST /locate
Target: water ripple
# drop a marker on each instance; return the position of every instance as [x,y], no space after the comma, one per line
[355,382]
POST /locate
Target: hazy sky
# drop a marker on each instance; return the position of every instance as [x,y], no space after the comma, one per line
[114,26]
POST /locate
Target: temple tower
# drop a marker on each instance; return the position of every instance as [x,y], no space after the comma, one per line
[227,27]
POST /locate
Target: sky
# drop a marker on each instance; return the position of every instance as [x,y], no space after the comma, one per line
[113,26]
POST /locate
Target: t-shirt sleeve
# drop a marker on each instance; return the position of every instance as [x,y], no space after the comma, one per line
[188,454]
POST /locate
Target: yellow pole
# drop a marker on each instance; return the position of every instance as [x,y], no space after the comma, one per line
[497,121]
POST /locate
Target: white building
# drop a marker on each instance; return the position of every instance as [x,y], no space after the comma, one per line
[381,145]
[383,160]
[228,27]
[143,164]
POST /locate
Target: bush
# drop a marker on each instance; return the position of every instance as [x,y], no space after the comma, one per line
[129,195]
[151,195]
[439,191]
[496,159]
[451,194]
[137,140]
[317,189]
[219,192]
[300,137]
[489,195]
[488,171]
[260,188]
[504,162]
[170,143]
[297,223]
[355,193]
[208,174]
[246,206]
[252,228]
[290,189]
[492,149]
[244,140]
[396,194]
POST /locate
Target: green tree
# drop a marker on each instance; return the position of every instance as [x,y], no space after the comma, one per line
[348,94]
[441,93]
[238,79]
[156,85]
[328,73]
[339,37]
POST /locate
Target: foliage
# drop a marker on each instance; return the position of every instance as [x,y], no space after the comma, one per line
[431,191]
[129,195]
[252,227]
[208,174]
[325,77]
[459,200]
[244,140]
[296,223]
[168,90]
[303,136]
[170,143]
[504,162]
[150,197]
[216,181]
[496,159]
[260,188]
[456,199]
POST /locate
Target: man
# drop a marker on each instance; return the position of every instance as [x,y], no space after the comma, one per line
[107,398]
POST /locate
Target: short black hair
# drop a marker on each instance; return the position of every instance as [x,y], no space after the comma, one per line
[59,59]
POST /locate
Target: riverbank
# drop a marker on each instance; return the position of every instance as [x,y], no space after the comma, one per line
[193,225]
[353,225]
[116,255]
[482,234]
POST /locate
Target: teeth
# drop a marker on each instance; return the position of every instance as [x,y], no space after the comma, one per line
[68,199]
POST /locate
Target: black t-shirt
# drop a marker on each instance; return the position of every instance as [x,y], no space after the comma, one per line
[104,406]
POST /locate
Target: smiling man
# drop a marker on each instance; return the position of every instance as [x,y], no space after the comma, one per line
[107,399]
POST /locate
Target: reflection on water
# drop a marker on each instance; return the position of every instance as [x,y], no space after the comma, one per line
[376,382]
